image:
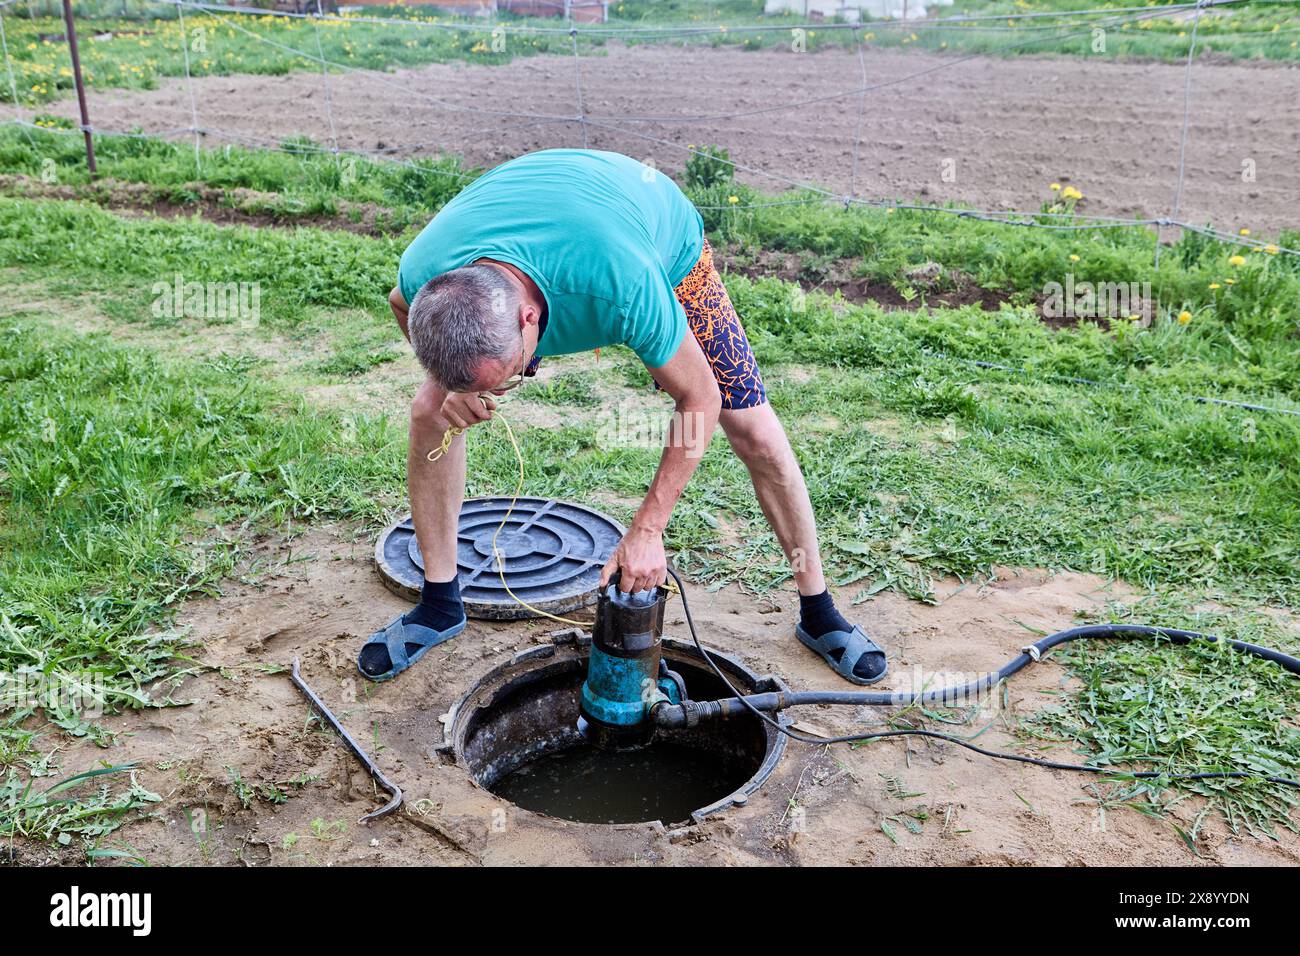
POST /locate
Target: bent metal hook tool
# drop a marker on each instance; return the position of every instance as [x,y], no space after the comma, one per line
[375,772]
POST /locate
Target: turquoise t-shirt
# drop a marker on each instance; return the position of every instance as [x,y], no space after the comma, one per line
[605,238]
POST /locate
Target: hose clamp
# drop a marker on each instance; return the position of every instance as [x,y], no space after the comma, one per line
[1034,653]
[691,711]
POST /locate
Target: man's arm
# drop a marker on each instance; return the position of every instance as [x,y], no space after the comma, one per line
[397,302]
[687,377]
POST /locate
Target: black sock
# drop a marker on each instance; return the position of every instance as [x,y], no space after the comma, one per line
[818,615]
[440,606]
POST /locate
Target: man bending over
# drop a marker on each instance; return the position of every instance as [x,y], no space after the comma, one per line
[563,251]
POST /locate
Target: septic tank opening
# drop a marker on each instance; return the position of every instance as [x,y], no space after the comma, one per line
[516,732]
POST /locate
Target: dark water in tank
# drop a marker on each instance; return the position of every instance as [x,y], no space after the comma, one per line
[664,781]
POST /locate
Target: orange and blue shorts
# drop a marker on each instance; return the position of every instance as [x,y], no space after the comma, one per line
[713,321]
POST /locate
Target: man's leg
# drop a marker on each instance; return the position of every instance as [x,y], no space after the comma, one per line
[436,489]
[759,440]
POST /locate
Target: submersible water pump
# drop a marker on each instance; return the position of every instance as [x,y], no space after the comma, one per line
[626,674]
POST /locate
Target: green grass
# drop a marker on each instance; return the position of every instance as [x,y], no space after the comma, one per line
[307,181]
[141,52]
[64,811]
[1184,709]
[134,474]
[1261,30]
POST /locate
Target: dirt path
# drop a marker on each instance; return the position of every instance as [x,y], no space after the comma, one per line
[246,730]
[1010,126]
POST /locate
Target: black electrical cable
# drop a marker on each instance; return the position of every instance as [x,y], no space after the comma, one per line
[1292,664]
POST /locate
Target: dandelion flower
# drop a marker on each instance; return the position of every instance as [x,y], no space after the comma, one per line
[1184,317]
[1243,232]
[1056,187]
[1237,261]
[1073,257]
[1230,281]
[733,199]
[1214,285]
[1271,249]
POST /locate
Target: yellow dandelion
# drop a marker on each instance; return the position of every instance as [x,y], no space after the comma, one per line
[1243,232]
[1184,317]
[1214,285]
[1073,257]
[1230,281]
[1056,187]
[1236,261]
[1271,249]
[733,199]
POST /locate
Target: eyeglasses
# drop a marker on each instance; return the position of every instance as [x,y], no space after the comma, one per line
[513,382]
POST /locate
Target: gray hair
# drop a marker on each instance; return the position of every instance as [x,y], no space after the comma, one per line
[461,318]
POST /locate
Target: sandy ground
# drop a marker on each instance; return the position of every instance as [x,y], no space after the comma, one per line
[321,597]
[1008,126]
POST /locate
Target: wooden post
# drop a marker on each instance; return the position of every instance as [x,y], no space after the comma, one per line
[81,87]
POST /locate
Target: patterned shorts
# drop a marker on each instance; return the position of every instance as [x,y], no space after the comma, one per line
[713,321]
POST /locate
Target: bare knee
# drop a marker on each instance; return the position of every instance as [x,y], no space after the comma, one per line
[760,443]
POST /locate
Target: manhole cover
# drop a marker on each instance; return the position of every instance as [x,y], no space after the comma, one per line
[552,552]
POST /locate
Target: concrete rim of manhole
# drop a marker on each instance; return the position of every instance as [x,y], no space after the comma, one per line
[545,680]
[553,552]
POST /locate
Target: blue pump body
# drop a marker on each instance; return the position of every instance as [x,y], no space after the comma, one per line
[625,675]
[620,691]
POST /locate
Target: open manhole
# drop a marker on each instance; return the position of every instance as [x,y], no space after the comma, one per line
[516,732]
[552,551]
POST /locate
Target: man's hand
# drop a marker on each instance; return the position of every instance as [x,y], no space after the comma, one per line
[639,560]
[463,409]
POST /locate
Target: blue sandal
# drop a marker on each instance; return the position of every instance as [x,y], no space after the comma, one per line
[397,636]
[842,650]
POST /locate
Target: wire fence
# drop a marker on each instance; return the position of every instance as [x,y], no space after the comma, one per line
[586,121]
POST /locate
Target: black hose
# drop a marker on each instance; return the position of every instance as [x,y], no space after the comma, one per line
[691,712]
